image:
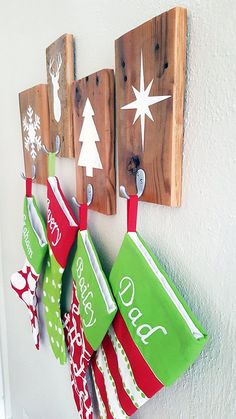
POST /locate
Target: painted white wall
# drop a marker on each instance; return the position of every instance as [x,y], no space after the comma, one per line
[5,401]
[195,243]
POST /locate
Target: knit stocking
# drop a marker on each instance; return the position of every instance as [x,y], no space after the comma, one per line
[61,230]
[24,281]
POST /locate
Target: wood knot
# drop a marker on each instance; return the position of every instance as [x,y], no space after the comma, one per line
[133,165]
[77,94]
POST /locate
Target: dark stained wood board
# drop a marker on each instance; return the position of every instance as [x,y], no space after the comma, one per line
[60,75]
[159,48]
[93,116]
[34,115]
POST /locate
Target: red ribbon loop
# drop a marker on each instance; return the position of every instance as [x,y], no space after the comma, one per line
[83,217]
[28,186]
[132,210]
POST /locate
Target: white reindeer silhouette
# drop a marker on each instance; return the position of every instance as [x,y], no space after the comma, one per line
[55,83]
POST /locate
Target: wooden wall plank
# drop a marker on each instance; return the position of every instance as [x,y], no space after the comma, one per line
[35,130]
[151,59]
[93,116]
[60,75]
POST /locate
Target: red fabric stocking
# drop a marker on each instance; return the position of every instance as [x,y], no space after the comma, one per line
[24,283]
[80,353]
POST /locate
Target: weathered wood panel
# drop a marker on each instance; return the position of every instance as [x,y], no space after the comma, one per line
[93,116]
[35,130]
[150,81]
[60,75]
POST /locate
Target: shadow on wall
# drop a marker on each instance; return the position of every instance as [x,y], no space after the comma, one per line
[2,407]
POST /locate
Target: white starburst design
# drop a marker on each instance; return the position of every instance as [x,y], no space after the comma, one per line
[31,124]
[143,101]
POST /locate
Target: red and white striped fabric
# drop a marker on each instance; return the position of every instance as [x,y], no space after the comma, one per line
[122,378]
[154,337]
[80,353]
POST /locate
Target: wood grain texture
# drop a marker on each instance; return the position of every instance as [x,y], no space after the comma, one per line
[99,89]
[60,75]
[162,41]
[34,103]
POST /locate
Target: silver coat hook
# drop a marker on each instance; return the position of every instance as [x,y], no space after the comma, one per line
[33,173]
[89,196]
[58,146]
[140,181]
[74,200]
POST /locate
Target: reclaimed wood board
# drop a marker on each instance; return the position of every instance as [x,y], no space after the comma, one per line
[93,117]
[60,75]
[150,84]
[34,114]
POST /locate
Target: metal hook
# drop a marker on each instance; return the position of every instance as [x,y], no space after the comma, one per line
[33,173]
[58,146]
[89,196]
[140,181]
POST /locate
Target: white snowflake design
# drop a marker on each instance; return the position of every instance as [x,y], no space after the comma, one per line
[31,124]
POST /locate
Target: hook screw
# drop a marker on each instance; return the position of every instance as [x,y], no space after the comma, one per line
[89,196]
[140,181]
[33,173]
[58,146]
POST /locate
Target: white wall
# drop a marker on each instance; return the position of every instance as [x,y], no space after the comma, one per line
[195,243]
[5,402]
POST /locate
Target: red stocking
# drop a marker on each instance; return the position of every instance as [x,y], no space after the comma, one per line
[80,353]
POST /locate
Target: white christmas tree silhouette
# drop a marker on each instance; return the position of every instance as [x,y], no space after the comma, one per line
[89,156]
